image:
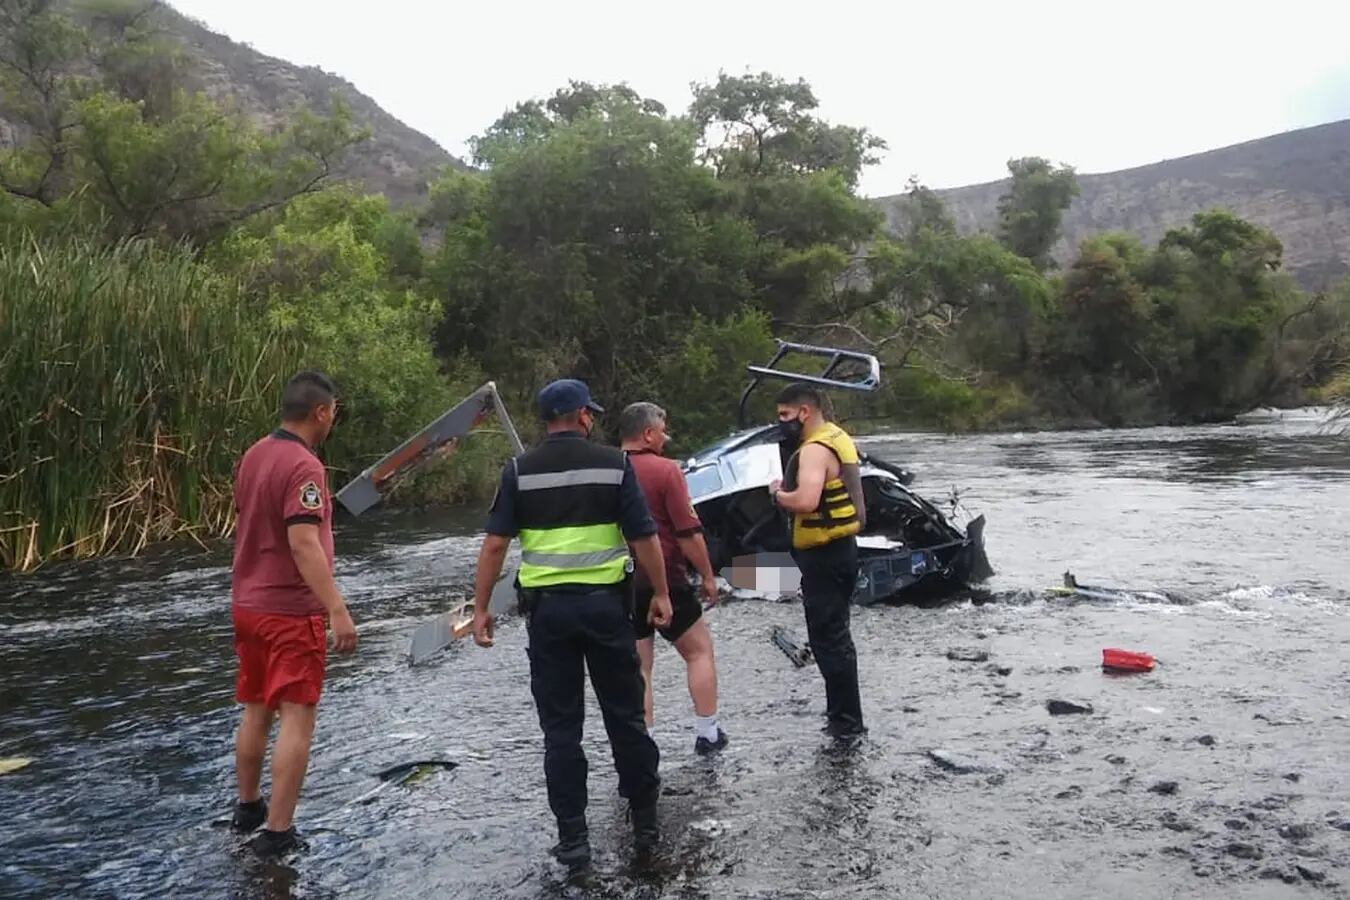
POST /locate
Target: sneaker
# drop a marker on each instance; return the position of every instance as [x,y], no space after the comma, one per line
[573,848]
[249,816]
[275,843]
[703,746]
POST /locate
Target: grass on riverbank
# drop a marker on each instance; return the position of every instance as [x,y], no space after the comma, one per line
[130,377]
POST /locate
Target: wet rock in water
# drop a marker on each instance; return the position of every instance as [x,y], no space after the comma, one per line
[1206,740]
[1172,822]
[1294,777]
[909,709]
[1166,788]
[965,654]
[1065,708]
[1116,759]
[1341,824]
[1243,851]
[1300,832]
[1311,874]
[1001,671]
[1271,803]
[963,764]
[1272,874]
[1276,721]
[1069,670]
[981,636]
[1072,792]
[1235,824]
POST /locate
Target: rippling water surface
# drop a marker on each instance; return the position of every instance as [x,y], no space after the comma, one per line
[1223,773]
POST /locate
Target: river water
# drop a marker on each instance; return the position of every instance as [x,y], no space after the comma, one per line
[1225,772]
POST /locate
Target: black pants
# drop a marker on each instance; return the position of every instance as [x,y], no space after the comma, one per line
[568,629]
[829,573]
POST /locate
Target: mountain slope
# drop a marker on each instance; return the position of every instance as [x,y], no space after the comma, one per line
[396,160]
[1297,184]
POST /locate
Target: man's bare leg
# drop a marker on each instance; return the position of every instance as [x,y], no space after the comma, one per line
[696,647]
[645,652]
[250,746]
[290,758]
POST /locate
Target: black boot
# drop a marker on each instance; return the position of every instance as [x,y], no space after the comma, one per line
[646,833]
[574,847]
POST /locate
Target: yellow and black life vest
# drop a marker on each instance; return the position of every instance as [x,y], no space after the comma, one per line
[836,516]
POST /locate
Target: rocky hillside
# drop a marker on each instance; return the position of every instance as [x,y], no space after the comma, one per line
[1297,184]
[396,160]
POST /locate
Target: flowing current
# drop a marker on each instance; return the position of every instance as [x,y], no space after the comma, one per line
[1224,772]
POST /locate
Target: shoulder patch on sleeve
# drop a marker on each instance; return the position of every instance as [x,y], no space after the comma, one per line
[310,495]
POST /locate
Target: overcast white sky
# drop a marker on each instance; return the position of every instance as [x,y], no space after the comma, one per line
[955,88]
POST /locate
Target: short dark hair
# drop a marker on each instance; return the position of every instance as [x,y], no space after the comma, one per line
[799,393]
[638,417]
[304,391]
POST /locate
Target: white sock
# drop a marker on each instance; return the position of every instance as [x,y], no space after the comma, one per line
[706,727]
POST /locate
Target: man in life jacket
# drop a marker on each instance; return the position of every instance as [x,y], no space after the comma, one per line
[822,490]
[576,507]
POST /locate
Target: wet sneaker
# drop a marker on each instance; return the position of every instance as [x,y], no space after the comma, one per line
[276,843]
[703,746]
[249,816]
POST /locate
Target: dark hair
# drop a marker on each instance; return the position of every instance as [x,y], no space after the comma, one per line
[637,417]
[799,393]
[304,391]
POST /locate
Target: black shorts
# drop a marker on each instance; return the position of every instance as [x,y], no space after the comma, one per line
[685,611]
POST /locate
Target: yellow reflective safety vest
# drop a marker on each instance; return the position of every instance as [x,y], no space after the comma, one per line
[567,507]
[835,516]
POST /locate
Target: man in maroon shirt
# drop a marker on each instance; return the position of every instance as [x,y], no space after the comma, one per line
[283,590]
[642,428]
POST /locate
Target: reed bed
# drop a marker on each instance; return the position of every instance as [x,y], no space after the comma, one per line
[131,377]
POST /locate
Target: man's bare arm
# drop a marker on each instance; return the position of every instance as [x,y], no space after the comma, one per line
[312,563]
[811,474]
[649,556]
[491,557]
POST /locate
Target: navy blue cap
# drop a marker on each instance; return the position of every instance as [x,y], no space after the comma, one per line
[558,398]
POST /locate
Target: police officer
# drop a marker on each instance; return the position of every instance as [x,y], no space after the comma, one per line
[576,506]
[823,492]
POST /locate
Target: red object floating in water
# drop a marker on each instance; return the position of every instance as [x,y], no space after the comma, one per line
[1126,660]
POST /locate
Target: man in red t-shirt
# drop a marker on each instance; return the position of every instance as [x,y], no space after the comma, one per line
[642,428]
[282,591]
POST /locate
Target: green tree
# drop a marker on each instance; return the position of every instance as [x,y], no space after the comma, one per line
[137,148]
[1030,212]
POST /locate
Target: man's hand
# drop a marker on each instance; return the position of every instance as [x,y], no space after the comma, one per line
[344,630]
[660,611]
[775,485]
[490,558]
[708,588]
[482,628]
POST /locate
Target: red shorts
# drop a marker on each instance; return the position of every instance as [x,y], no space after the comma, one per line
[281,658]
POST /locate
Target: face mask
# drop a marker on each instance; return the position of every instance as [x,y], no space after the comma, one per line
[790,431]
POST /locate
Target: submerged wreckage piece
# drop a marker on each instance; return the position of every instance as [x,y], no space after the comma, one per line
[436,439]
[908,550]
[1071,588]
[800,654]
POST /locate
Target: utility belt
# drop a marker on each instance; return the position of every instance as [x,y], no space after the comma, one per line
[528,599]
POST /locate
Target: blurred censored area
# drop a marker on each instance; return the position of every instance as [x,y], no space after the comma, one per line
[766,574]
